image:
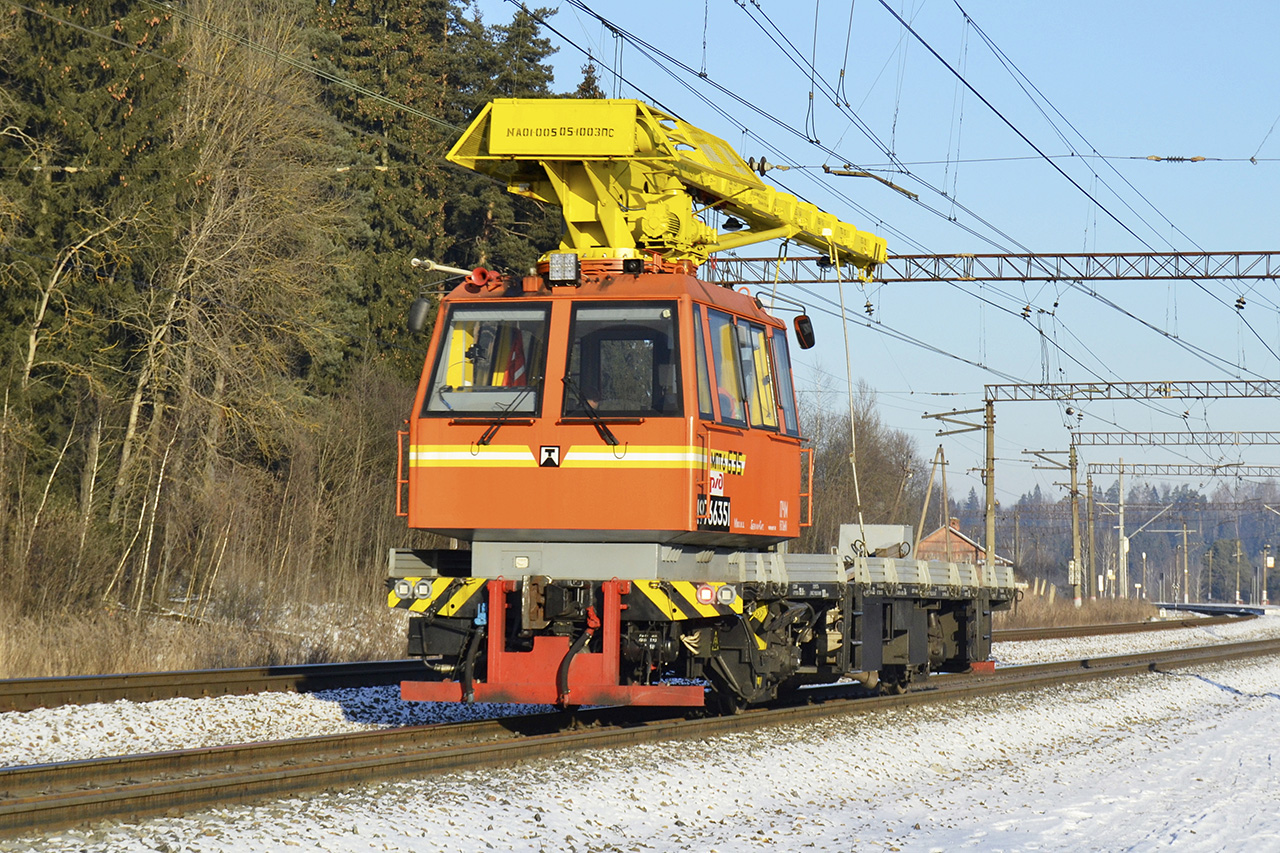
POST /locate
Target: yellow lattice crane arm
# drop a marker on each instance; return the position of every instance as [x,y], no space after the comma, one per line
[633,180]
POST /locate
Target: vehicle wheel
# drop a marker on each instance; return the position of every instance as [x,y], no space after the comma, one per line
[893,680]
[728,704]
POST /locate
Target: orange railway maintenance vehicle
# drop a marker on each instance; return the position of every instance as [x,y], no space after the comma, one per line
[619,445]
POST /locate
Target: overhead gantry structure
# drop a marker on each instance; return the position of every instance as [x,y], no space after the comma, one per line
[1176,439]
[966,420]
[1084,266]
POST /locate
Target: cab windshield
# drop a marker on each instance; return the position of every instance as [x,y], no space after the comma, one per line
[623,361]
[491,362]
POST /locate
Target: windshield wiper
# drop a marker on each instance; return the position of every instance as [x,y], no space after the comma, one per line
[601,427]
[503,417]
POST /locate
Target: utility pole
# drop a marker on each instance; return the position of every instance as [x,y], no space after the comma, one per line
[1186,567]
[989,470]
[1266,564]
[989,417]
[1093,578]
[1017,537]
[924,511]
[1237,556]
[1122,544]
[1210,556]
[1076,567]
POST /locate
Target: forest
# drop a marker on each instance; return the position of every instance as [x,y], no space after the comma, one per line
[207,213]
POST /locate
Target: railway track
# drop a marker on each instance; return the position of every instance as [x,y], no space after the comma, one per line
[1010,635]
[25,694]
[47,797]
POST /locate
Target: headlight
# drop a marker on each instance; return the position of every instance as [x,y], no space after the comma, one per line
[403,589]
[562,267]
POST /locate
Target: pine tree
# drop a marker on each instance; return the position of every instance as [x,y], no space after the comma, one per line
[492,227]
[89,180]
[399,54]
[91,171]
[442,63]
[590,85]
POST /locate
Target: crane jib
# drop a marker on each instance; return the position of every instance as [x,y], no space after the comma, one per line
[635,181]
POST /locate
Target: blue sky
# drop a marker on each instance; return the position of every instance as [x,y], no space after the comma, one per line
[1135,79]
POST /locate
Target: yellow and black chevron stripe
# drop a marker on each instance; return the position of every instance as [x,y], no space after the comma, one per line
[446,596]
[678,600]
[755,621]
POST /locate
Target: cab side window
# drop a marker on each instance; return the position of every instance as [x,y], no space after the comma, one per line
[704,379]
[786,391]
[728,368]
[753,349]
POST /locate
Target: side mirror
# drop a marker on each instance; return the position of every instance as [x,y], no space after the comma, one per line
[804,331]
[419,312]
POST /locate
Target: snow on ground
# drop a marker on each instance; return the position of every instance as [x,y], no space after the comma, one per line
[74,732]
[1186,761]
[1037,651]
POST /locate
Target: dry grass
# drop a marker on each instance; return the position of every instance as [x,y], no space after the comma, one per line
[1048,612]
[115,641]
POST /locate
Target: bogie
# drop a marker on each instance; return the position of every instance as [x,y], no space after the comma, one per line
[729,645]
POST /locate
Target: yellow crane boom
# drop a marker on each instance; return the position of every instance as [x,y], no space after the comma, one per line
[633,181]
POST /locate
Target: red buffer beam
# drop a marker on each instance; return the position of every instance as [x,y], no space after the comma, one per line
[1085,266]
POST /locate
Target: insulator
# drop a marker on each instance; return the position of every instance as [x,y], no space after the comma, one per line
[868,308]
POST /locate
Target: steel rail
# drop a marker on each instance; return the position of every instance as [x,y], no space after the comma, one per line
[1013,635]
[47,797]
[24,694]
